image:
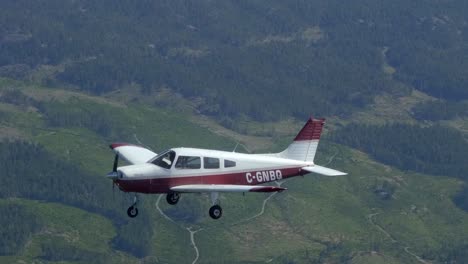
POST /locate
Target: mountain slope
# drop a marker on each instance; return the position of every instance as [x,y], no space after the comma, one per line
[377,214]
[265,59]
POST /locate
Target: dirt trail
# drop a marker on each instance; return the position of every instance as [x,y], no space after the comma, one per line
[405,248]
[192,232]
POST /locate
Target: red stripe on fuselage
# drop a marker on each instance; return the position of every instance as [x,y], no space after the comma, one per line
[163,185]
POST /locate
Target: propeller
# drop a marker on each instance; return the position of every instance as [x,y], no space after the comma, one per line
[116,162]
[114,174]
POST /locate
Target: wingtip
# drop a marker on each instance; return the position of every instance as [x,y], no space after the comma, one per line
[119,144]
[340,174]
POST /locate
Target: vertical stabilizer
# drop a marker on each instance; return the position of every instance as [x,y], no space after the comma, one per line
[305,144]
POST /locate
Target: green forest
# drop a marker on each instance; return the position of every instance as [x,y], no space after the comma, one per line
[390,77]
[440,110]
[265,59]
[17,227]
[436,150]
[26,176]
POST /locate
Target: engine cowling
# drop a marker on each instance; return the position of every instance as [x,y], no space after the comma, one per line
[144,170]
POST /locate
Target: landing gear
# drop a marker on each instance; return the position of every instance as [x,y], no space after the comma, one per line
[132,211]
[215,211]
[172,198]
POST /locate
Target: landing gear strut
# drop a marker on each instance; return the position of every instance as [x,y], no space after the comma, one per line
[132,211]
[172,198]
[215,211]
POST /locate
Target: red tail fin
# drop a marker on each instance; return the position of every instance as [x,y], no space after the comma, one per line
[305,143]
[311,130]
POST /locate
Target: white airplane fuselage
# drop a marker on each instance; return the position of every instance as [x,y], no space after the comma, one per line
[192,170]
[247,169]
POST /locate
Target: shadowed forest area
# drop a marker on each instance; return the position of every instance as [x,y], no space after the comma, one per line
[78,75]
[265,59]
[30,172]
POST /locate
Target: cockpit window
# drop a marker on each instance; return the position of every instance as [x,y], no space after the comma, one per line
[165,159]
[188,162]
[229,163]
[210,163]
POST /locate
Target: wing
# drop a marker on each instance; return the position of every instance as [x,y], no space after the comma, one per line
[132,153]
[323,170]
[194,188]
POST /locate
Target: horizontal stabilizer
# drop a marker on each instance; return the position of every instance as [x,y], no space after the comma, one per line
[193,188]
[133,154]
[323,171]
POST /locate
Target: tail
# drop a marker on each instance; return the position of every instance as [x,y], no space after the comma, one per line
[305,144]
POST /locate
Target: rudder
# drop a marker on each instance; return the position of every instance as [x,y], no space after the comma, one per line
[305,144]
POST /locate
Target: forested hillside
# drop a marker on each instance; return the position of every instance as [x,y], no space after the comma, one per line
[266,59]
[433,150]
[55,156]
[389,76]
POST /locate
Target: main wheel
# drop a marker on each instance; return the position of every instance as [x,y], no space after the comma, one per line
[132,211]
[216,212]
[172,198]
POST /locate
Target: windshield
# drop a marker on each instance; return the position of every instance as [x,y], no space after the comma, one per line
[164,159]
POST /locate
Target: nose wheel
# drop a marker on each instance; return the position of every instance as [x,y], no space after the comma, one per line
[132,211]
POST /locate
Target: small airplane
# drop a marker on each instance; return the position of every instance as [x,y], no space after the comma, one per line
[191,170]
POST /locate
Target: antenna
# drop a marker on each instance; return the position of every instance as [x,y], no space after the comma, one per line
[234,150]
[141,143]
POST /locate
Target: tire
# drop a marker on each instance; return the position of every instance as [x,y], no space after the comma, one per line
[172,198]
[216,211]
[132,211]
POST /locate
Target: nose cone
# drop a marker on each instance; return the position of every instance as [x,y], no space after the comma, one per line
[114,175]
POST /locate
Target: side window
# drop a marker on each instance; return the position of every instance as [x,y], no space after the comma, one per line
[210,163]
[229,163]
[188,162]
